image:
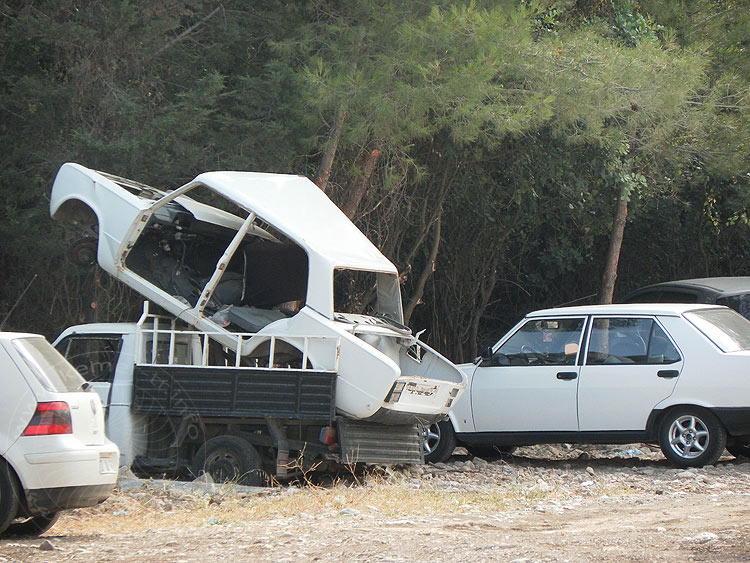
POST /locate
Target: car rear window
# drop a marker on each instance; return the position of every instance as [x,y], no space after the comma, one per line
[50,368]
[729,330]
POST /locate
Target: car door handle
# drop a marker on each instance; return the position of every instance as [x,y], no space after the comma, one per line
[668,373]
[567,375]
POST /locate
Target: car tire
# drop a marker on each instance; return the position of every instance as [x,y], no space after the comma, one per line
[9,496]
[230,459]
[438,441]
[691,437]
[740,448]
[32,526]
[490,452]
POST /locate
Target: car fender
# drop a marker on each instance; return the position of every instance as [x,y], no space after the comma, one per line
[462,414]
[662,407]
[78,191]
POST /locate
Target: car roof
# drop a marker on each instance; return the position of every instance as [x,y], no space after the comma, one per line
[729,285]
[298,208]
[14,335]
[664,309]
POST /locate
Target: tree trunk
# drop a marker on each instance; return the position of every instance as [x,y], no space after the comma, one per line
[426,272]
[358,190]
[324,171]
[615,245]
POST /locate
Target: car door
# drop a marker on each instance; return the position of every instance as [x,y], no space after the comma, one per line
[94,356]
[531,381]
[631,364]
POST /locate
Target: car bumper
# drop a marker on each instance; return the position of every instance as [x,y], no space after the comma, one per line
[43,463]
[43,501]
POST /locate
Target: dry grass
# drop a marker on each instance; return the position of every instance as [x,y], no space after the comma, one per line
[387,496]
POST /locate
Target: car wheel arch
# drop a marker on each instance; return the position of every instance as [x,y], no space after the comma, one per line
[658,413]
[15,475]
[74,211]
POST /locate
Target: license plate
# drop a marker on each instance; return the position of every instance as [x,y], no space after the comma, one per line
[421,390]
[107,463]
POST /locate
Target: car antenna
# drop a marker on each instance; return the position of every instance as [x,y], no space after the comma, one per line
[577,300]
[13,308]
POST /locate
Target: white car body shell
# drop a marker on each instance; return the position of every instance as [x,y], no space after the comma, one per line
[373,354]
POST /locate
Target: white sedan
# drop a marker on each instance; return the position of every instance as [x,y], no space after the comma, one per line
[676,375]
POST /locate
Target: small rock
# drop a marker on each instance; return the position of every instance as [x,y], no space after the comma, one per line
[203,478]
[480,463]
[703,537]
[349,512]
[590,470]
[685,475]
[46,545]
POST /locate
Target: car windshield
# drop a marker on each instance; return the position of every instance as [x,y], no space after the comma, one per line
[727,329]
[50,368]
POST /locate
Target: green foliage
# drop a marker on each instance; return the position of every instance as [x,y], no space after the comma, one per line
[517,124]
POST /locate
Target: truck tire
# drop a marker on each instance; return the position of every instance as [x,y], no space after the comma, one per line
[230,459]
[8,496]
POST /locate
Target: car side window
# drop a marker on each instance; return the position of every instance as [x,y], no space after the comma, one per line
[94,357]
[543,342]
[617,341]
[660,348]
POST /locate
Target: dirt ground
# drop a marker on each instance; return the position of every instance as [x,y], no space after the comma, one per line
[543,504]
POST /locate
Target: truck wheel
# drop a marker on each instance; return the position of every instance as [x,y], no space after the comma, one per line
[8,495]
[691,437]
[230,459]
[33,526]
[438,441]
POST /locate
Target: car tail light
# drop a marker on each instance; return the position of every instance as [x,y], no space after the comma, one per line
[50,418]
[328,435]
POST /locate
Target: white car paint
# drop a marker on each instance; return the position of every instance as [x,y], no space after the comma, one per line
[55,471]
[606,399]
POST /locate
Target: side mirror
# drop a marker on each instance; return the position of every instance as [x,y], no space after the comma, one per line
[488,359]
[484,358]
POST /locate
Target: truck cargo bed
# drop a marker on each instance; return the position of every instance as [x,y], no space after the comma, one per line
[237,392]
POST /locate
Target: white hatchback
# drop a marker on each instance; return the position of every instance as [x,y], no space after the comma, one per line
[677,375]
[54,454]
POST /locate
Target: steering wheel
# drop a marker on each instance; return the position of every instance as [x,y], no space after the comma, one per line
[530,355]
